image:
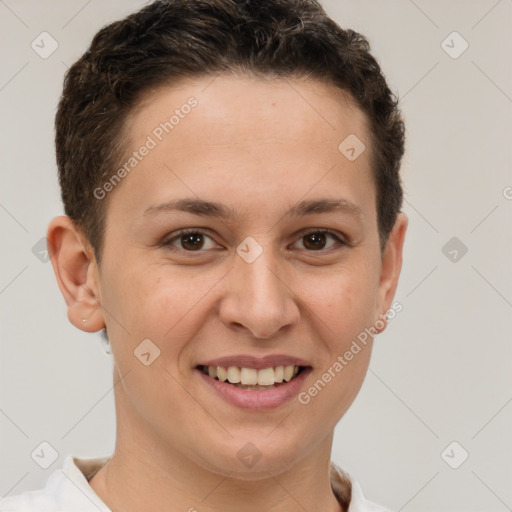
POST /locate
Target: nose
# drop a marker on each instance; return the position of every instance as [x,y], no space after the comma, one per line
[258,299]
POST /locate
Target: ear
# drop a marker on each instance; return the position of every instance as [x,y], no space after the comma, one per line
[391,266]
[76,271]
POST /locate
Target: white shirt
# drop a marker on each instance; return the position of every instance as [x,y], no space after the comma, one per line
[68,490]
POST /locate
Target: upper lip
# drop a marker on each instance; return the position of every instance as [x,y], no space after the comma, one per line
[256,362]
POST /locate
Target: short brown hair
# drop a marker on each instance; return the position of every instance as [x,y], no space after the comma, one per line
[172,39]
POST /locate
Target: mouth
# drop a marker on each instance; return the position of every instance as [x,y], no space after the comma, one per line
[254,383]
[253,379]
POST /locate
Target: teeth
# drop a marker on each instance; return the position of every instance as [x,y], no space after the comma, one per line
[252,377]
[234,375]
[265,377]
[254,388]
[248,376]
[288,373]
[222,373]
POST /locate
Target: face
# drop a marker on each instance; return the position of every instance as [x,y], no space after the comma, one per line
[242,232]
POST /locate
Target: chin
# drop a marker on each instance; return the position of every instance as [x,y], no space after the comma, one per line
[250,463]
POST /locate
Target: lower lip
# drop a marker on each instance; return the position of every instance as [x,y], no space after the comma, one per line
[257,400]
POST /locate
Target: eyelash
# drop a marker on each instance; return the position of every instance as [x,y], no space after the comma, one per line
[167,242]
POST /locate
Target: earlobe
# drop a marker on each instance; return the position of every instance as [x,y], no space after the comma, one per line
[75,268]
[391,267]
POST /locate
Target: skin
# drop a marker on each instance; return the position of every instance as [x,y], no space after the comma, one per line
[259,147]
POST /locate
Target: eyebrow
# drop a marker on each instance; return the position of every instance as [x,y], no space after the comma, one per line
[214,209]
[326,206]
[194,206]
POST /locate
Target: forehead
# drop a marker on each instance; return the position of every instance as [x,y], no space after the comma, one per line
[250,107]
[222,136]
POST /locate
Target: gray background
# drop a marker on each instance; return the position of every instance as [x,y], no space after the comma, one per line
[440,373]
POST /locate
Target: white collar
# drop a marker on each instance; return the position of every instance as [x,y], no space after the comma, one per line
[68,488]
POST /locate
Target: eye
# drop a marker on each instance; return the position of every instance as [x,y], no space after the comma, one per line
[193,240]
[319,240]
[190,240]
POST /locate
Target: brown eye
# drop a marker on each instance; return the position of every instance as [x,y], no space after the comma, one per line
[191,241]
[314,241]
[318,240]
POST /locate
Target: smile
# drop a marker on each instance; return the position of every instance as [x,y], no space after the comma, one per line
[252,379]
[253,389]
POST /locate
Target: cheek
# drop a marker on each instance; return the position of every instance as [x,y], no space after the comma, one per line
[330,395]
[151,299]
[343,300]
[341,329]
[168,306]
[151,303]
[343,307]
